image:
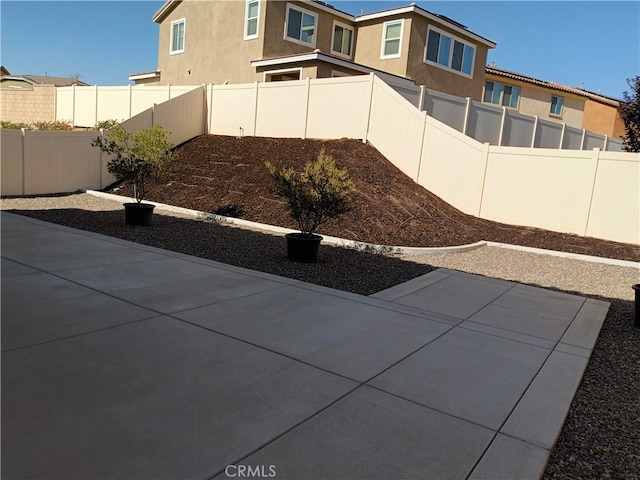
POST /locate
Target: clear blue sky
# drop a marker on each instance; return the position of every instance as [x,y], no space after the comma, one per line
[595,43]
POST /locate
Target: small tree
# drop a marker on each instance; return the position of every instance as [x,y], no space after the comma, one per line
[136,157]
[630,113]
[317,194]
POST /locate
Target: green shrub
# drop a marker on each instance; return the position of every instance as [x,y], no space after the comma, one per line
[315,195]
[55,125]
[136,156]
[106,124]
[12,125]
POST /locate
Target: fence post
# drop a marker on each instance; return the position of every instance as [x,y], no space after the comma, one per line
[564,127]
[606,143]
[153,115]
[372,78]
[584,137]
[502,120]
[535,130]
[306,108]
[424,132]
[421,100]
[95,122]
[467,110]
[73,104]
[484,177]
[210,99]
[255,108]
[596,154]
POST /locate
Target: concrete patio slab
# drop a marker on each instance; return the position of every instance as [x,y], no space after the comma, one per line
[126,361]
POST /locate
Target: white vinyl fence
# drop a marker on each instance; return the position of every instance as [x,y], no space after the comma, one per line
[502,126]
[586,190]
[43,162]
[86,106]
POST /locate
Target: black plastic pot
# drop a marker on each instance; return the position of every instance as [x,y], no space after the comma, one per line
[303,248]
[138,214]
[636,287]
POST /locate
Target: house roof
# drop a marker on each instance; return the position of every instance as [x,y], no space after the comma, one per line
[169,5]
[552,85]
[45,80]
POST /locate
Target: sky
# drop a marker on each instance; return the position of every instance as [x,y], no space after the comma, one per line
[590,44]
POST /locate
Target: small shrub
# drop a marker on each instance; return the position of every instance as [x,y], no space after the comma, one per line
[235,210]
[317,194]
[55,125]
[106,124]
[12,125]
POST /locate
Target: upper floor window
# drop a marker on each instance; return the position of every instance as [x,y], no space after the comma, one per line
[449,52]
[391,39]
[177,36]
[342,42]
[301,26]
[499,94]
[556,105]
[251,19]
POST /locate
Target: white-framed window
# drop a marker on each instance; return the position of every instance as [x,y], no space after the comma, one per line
[391,39]
[556,105]
[300,26]
[499,94]
[251,17]
[342,39]
[449,52]
[176,43]
[283,75]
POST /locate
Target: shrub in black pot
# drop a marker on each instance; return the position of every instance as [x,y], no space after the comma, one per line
[135,158]
[318,193]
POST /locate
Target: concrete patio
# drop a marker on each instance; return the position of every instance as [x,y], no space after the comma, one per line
[126,361]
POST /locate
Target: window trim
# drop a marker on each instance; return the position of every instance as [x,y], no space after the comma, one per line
[454,39]
[286,25]
[246,20]
[502,91]
[384,39]
[184,36]
[344,26]
[281,70]
[551,112]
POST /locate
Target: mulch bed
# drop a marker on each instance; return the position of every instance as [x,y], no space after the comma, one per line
[215,172]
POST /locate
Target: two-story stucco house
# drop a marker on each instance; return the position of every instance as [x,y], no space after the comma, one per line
[552,101]
[273,40]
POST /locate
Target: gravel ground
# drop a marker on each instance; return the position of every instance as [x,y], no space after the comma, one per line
[601,436]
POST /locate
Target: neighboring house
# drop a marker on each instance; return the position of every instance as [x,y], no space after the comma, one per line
[551,101]
[266,40]
[28,81]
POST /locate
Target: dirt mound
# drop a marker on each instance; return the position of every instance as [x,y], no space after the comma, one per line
[211,172]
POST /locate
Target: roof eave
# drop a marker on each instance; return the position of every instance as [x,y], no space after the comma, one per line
[164,10]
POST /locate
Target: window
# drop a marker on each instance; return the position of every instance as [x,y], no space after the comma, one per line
[301,26]
[556,105]
[251,19]
[283,75]
[342,42]
[449,52]
[391,39]
[500,94]
[177,36]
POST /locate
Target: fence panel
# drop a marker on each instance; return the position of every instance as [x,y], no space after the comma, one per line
[518,129]
[183,116]
[615,207]
[64,103]
[548,134]
[484,123]
[11,168]
[85,104]
[396,128]
[452,166]
[615,145]
[113,103]
[338,107]
[56,162]
[572,138]
[232,108]
[593,140]
[539,188]
[448,109]
[282,109]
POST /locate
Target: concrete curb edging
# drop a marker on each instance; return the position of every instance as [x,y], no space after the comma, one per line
[370,247]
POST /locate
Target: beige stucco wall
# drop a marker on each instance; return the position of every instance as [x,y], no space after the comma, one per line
[604,119]
[214,47]
[28,105]
[537,101]
[369,44]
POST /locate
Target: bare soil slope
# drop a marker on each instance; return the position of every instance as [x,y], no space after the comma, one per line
[387,208]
